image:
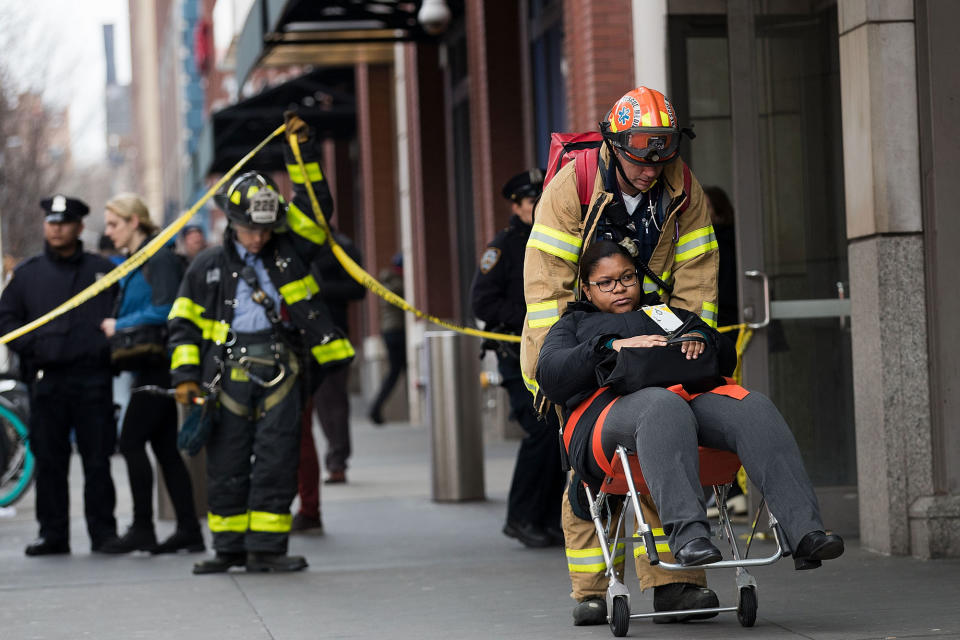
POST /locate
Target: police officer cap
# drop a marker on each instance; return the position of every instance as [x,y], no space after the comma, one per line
[60,208]
[528,184]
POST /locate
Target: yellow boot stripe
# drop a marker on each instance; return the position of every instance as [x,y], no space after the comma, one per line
[238,523]
[267,522]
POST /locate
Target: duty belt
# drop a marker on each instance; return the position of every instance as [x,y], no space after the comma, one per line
[243,355]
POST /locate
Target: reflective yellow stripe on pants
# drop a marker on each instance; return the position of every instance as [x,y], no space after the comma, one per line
[265,521]
[239,523]
[591,560]
[659,538]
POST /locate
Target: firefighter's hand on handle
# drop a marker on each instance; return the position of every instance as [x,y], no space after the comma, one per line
[296,125]
[187,392]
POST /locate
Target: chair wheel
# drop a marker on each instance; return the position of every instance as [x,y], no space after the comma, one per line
[620,618]
[747,607]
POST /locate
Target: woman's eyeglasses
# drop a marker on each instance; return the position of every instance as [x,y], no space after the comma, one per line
[609,284]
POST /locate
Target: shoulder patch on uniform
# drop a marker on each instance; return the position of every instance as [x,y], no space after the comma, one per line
[489,259]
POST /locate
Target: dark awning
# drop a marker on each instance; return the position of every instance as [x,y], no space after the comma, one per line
[329,33]
[324,98]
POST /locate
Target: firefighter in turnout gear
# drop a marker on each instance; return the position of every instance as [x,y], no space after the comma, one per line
[533,505]
[249,330]
[645,198]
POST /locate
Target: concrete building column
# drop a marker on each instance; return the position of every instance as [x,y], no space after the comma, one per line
[146,96]
[650,45]
[886,252]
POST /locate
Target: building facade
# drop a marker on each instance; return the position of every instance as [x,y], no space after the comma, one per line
[826,121]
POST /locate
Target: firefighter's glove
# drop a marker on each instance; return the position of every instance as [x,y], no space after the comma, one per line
[296,126]
[187,392]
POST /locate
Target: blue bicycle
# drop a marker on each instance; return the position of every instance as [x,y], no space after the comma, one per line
[16,460]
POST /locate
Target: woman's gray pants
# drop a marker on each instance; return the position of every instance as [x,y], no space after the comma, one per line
[664,430]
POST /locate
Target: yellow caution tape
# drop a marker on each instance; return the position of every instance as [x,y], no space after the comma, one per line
[141,256]
[351,267]
[357,273]
[744,333]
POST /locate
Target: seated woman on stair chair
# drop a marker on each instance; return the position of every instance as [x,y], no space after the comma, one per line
[663,428]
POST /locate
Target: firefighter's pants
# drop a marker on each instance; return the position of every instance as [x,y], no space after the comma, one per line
[252,459]
[585,558]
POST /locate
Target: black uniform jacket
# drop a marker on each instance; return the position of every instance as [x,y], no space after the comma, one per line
[200,319]
[498,285]
[74,339]
[575,345]
[336,286]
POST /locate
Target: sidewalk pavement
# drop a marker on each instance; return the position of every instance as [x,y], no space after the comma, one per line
[393,564]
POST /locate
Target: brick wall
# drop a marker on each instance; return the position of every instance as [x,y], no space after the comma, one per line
[496,111]
[599,51]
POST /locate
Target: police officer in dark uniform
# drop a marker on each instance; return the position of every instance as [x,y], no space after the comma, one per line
[66,364]
[533,506]
[249,323]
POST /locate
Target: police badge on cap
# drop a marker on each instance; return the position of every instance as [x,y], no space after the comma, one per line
[528,184]
[60,208]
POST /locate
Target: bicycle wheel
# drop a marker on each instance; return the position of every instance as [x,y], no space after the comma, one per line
[18,472]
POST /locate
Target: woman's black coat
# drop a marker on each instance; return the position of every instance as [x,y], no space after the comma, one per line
[566,368]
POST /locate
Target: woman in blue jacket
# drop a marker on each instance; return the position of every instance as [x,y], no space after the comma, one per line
[662,423]
[146,296]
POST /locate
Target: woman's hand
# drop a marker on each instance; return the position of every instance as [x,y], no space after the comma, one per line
[109,327]
[692,348]
[639,341]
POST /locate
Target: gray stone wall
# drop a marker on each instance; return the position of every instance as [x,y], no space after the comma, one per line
[891,399]
[903,508]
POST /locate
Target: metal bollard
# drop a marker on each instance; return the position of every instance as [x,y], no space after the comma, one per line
[453,416]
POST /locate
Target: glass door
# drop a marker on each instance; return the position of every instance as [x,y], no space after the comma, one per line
[784,171]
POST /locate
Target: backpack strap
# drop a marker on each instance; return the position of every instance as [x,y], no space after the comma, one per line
[585,165]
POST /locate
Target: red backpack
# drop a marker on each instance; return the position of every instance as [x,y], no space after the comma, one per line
[584,150]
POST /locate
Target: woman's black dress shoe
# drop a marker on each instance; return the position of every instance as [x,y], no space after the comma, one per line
[697,552]
[817,546]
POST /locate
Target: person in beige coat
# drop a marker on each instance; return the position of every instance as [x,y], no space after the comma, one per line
[646,199]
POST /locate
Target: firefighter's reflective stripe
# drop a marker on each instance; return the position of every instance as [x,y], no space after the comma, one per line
[543,314]
[301,224]
[709,314]
[659,538]
[314,174]
[591,560]
[184,355]
[530,384]
[649,286]
[236,196]
[556,243]
[186,308]
[302,289]
[265,521]
[332,351]
[696,243]
[239,523]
